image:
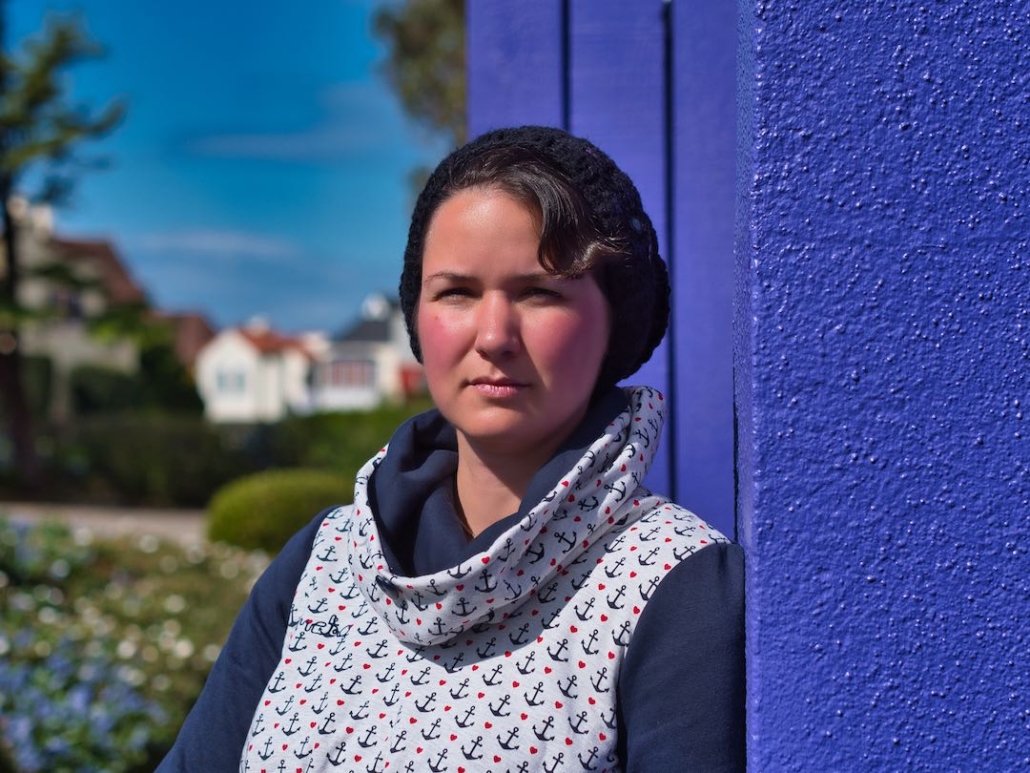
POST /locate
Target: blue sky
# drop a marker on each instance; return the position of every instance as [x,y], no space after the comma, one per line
[262,165]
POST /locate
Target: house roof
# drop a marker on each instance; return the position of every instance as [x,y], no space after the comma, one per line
[191,331]
[374,324]
[367,331]
[268,341]
[117,284]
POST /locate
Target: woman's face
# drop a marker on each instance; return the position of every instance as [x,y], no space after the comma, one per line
[511,352]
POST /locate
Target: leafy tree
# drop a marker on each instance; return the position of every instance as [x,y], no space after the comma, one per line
[426,63]
[161,384]
[41,130]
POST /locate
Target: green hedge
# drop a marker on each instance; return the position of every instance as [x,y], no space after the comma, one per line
[162,384]
[95,389]
[177,459]
[341,442]
[154,459]
[38,378]
[262,511]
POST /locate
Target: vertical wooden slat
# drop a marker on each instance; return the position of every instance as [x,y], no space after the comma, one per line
[617,100]
[516,68]
[704,180]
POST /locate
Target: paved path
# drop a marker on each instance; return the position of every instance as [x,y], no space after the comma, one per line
[186,526]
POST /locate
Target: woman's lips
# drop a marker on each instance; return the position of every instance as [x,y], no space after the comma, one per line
[498,387]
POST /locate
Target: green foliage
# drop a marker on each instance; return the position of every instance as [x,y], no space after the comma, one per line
[38,374]
[262,511]
[106,643]
[341,442]
[162,384]
[323,452]
[165,383]
[158,459]
[96,389]
[426,64]
[38,123]
[41,132]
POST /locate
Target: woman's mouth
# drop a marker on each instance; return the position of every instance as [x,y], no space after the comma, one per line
[498,387]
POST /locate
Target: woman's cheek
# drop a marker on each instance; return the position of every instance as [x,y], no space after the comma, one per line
[439,333]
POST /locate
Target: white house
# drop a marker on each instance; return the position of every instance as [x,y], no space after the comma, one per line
[254,374]
[369,363]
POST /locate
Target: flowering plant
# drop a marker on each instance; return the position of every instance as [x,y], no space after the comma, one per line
[106,643]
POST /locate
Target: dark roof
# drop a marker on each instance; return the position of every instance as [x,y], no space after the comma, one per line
[117,284]
[373,326]
[191,332]
[367,331]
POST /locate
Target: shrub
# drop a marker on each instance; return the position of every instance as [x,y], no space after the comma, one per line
[341,441]
[161,384]
[97,389]
[153,459]
[38,378]
[262,511]
[106,643]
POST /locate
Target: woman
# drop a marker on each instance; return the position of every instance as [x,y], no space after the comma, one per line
[504,594]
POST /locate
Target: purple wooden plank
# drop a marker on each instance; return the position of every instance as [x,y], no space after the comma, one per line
[515,63]
[617,100]
[704,155]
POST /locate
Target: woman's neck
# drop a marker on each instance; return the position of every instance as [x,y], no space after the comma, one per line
[490,486]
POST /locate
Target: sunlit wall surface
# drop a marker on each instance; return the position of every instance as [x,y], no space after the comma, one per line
[867,338]
[883,373]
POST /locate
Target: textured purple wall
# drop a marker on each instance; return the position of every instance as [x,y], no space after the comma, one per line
[882,381]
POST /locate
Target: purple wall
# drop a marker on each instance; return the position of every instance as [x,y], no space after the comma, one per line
[882,378]
[602,69]
[874,334]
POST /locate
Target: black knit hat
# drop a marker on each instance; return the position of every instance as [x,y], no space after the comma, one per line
[633,279]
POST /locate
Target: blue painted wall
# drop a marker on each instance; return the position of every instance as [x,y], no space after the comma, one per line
[883,378]
[873,330]
[602,69]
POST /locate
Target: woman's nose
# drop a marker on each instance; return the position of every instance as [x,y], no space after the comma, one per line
[497,332]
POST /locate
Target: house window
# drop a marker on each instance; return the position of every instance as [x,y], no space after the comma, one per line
[67,303]
[349,373]
[230,382]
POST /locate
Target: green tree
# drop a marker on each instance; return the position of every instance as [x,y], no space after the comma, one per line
[162,383]
[41,131]
[426,61]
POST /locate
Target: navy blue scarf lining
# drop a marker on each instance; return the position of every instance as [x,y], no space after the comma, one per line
[413,496]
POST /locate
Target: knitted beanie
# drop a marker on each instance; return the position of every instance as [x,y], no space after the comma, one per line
[634,281]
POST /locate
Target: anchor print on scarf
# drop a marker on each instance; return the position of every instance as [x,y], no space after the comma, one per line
[508,665]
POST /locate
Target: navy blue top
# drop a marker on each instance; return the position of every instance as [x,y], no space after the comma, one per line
[681,688]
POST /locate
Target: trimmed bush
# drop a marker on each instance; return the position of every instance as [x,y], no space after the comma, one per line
[262,511]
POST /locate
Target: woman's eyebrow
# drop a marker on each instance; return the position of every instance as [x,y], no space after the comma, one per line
[457,276]
[453,276]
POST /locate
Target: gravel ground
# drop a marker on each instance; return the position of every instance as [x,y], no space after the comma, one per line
[186,526]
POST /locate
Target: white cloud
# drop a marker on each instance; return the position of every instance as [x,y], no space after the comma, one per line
[358,118]
[218,243]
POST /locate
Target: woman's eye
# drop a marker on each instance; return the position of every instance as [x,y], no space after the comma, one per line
[541,292]
[453,292]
